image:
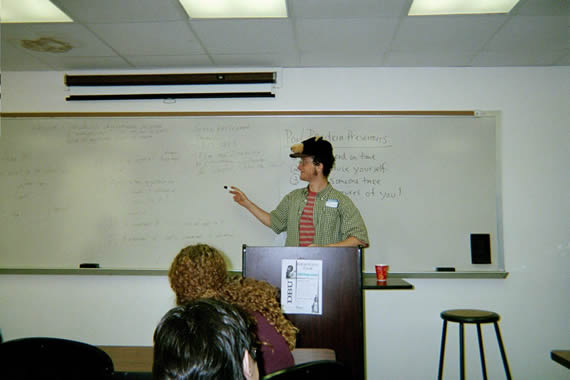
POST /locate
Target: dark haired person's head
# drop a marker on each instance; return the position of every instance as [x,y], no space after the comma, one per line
[320,150]
[205,339]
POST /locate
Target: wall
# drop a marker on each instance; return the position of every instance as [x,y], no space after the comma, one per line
[403,327]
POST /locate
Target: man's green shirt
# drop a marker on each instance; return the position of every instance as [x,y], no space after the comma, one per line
[335,216]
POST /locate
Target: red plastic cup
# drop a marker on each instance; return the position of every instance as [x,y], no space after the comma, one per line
[382,272]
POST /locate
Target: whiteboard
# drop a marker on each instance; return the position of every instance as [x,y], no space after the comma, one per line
[130,192]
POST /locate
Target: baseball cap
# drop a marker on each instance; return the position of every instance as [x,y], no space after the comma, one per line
[314,146]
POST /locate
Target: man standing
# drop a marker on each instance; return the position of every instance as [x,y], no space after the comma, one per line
[316,215]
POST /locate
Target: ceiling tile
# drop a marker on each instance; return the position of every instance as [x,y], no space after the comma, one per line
[330,59]
[152,33]
[162,61]
[541,8]
[244,36]
[83,41]
[517,58]
[427,58]
[115,11]
[345,35]
[149,38]
[532,32]
[563,59]
[87,63]
[257,60]
[455,33]
[348,9]
[17,59]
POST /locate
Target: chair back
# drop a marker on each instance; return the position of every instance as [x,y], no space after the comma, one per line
[53,358]
[305,355]
[322,369]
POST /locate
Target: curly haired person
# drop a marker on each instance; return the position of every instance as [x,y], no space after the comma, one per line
[199,271]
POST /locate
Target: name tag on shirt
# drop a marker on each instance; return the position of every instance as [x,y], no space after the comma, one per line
[332,203]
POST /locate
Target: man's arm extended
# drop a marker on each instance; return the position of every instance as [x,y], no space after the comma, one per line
[241,199]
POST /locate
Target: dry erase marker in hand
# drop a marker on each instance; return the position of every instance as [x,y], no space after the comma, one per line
[225,187]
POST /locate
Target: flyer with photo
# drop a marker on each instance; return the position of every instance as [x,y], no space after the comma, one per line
[301,286]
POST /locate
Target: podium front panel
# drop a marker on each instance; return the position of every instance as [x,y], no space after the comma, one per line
[340,327]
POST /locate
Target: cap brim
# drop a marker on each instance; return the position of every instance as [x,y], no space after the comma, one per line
[297,155]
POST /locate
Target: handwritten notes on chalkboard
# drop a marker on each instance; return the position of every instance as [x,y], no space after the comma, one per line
[130,192]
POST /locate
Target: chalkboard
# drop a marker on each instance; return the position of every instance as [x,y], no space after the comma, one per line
[129,192]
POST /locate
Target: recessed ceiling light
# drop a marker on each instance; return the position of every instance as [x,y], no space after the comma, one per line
[13,11]
[235,8]
[454,7]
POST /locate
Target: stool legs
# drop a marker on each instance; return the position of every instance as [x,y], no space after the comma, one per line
[481,352]
[442,352]
[503,354]
[461,353]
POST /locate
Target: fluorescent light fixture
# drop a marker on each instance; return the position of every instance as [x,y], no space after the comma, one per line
[458,7]
[235,8]
[19,11]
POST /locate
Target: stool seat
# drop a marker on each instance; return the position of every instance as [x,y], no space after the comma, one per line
[470,316]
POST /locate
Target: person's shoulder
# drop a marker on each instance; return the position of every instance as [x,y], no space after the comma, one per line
[345,202]
[260,318]
[337,194]
[296,192]
[252,283]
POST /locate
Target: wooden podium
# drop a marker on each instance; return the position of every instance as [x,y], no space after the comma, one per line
[341,326]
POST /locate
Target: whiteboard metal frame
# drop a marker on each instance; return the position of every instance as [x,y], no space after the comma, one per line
[501,273]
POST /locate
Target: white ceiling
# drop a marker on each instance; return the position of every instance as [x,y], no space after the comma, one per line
[144,34]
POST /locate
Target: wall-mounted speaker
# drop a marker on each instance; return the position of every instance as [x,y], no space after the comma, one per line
[480,249]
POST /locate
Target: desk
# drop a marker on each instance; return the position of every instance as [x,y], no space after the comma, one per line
[369,282]
[130,358]
[561,356]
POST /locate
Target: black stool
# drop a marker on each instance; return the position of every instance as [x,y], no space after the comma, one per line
[478,317]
